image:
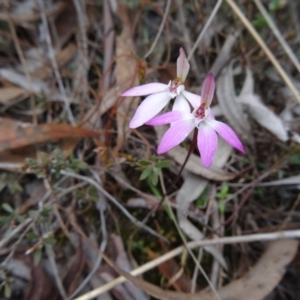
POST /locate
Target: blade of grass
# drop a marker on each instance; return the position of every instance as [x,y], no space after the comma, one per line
[264,47]
[278,35]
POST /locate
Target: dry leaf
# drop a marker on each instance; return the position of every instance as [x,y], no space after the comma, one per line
[194,165]
[258,111]
[74,272]
[170,268]
[224,55]
[43,71]
[126,75]
[36,85]
[92,118]
[191,189]
[264,116]
[15,134]
[11,93]
[41,285]
[228,102]
[285,181]
[122,261]
[263,277]
[29,14]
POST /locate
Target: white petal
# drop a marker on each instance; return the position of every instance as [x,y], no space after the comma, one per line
[183,65]
[180,104]
[150,107]
[194,99]
[146,89]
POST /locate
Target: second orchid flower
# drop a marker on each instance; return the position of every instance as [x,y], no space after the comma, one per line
[201,119]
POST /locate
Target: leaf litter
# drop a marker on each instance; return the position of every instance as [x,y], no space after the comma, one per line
[34,124]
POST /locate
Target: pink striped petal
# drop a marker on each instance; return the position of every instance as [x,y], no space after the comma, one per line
[207,144]
[150,107]
[183,65]
[194,99]
[146,89]
[208,89]
[169,117]
[175,135]
[226,133]
[180,104]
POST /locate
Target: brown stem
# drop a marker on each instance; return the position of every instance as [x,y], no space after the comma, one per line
[190,151]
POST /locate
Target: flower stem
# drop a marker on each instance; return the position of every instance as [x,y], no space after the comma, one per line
[191,149]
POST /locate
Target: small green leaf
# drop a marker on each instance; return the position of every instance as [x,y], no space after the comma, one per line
[295,159]
[144,162]
[37,256]
[259,22]
[15,187]
[32,236]
[156,170]
[146,173]
[49,241]
[7,208]
[222,207]
[7,290]
[164,164]
[5,219]
[2,186]
[202,200]
[223,193]
[154,178]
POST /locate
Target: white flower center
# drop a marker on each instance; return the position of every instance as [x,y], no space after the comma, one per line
[201,113]
[175,87]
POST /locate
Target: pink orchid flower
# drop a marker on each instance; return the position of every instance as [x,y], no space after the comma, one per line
[183,122]
[160,95]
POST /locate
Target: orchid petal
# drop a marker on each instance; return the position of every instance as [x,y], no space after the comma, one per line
[209,114]
[208,89]
[169,117]
[226,133]
[183,66]
[175,135]
[180,104]
[150,107]
[207,144]
[194,99]
[146,89]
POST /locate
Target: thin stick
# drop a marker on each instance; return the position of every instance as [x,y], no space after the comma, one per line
[289,234]
[51,258]
[264,47]
[184,239]
[278,35]
[54,63]
[102,246]
[160,29]
[19,228]
[115,202]
[207,24]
